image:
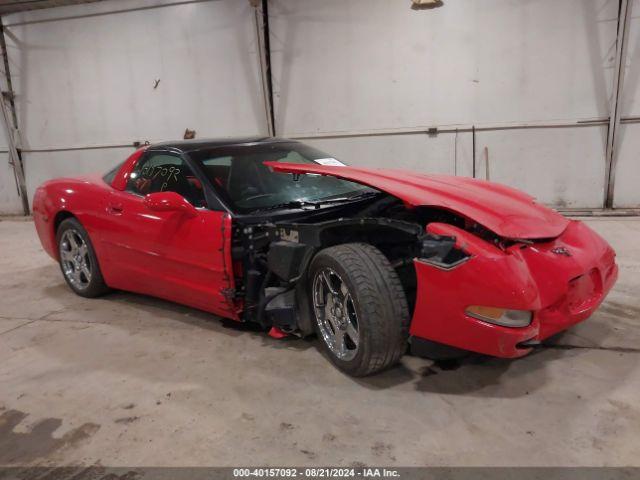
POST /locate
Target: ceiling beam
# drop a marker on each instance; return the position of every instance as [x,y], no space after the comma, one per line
[15,6]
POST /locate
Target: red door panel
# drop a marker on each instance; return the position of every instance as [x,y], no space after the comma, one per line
[170,255]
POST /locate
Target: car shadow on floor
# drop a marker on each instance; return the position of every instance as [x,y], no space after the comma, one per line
[514,378]
[453,376]
[205,320]
[474,375]
[488,377]
[485,377]
[186,315]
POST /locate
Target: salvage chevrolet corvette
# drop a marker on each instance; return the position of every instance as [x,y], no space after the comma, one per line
[277,233]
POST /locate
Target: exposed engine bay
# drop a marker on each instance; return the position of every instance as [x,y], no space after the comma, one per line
[271,257]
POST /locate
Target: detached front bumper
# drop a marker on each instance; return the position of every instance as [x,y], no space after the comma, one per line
[562,282]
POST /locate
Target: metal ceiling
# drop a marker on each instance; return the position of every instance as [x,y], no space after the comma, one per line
[14,6]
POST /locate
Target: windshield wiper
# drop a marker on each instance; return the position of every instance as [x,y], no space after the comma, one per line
[315,204]
[350,198]
[292,204]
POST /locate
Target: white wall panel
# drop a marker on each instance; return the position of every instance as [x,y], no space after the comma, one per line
[88,79]
[562,167]
[9,199]
[443,153]
[42,166]
[626,191]
[627,188]
[367,64]
[84,75]
[631,90]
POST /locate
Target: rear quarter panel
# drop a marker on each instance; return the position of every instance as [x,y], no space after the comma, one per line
[84,198]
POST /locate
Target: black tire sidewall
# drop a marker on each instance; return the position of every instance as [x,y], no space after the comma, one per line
[97,285]
[321,261]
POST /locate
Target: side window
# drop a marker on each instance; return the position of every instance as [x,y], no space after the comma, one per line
[218,161]
[217,169]
[111,174]
[162,172]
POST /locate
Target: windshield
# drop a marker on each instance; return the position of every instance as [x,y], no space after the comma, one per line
[239,175]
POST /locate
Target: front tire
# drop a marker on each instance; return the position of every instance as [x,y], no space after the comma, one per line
[360,308]
[78,260]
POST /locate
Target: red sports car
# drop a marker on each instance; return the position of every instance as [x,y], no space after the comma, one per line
[277,233]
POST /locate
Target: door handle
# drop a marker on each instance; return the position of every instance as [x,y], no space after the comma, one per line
[115,208]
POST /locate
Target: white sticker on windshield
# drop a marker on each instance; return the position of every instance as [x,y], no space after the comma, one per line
[331,162]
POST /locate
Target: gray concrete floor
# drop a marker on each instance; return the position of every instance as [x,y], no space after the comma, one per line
[129,380]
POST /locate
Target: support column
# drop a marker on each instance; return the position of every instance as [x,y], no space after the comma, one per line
[262,36]
[10,123]
[624,18]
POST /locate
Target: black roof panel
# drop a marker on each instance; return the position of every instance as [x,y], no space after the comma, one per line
[198,144]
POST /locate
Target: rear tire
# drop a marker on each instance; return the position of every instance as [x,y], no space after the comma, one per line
[78,261]
[360,308]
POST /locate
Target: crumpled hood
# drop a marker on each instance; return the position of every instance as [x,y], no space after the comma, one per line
[507,212]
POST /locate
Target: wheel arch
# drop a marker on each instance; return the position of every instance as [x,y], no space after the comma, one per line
[380,301]
[398,241]
[60,217]
[86,262]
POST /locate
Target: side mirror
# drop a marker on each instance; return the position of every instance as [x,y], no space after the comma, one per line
[169,202]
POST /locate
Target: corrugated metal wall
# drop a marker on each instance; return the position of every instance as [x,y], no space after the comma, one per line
[342,72]
[377,64]
[627,186]
[87,79]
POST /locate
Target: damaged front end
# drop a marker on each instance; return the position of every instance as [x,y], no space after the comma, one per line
[272,259]
[494,279]
[505,301]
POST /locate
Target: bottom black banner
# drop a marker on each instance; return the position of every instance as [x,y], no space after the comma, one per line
[405,473]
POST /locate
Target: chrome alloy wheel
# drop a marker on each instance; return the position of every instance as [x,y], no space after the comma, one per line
[336,314]
[74,256]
